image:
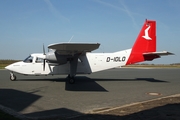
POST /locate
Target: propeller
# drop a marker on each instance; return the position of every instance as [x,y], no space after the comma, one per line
[44,60]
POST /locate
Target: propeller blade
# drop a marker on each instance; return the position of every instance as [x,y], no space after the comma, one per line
[44,63]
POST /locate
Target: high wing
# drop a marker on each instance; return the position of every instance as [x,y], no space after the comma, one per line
[73,48]
[153,55]
[65,52]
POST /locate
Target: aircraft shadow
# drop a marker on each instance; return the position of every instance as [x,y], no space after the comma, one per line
[84,83]
[81,84]
[81,79]
[135,79]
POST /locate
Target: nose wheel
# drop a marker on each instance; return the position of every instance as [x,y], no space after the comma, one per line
[12,76]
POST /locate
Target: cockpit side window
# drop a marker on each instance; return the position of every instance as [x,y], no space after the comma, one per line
[79,60]
[29,59]
[39,60]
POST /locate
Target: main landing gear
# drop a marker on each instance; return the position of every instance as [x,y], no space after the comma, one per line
[73,69]
[12,76]
[71,79]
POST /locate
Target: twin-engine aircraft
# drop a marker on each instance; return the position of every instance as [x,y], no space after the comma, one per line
[76,58]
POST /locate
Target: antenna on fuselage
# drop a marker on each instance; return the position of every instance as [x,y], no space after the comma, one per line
[71,39]
[44,50]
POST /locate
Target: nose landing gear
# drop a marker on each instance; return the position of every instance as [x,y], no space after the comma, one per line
[12,76]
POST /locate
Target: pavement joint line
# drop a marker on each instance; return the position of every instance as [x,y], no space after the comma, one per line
[128,105]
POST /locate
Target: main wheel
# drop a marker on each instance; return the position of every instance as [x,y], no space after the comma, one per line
[12,77]
[71,80]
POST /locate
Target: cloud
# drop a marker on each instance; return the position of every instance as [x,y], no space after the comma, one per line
[54,11]
[129,13]
[109,5]
[124,8]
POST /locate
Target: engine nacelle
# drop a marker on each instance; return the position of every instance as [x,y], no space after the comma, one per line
[53,57]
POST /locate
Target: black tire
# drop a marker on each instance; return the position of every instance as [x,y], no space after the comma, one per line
[71,80]
[12,77]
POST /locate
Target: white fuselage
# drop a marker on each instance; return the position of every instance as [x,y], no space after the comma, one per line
[87,63]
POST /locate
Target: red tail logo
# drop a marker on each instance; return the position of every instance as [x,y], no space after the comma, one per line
[146,36]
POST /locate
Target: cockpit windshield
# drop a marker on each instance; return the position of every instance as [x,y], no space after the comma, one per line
[29,59]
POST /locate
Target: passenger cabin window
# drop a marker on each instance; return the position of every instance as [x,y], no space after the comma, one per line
[29,59]
[39,60]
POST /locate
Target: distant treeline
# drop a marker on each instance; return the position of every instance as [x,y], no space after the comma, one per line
[175,64]
[156,64]
[8,61]
[4,63]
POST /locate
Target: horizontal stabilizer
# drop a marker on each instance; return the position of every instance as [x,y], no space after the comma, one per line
[152,55]
[159,53]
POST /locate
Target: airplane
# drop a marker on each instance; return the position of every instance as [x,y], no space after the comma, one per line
[77,58]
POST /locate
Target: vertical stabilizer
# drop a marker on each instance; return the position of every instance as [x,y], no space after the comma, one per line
[145,42]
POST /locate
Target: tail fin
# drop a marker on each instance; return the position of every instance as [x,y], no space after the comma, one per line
[145,43]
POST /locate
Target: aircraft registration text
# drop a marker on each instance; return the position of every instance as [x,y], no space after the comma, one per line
[116,59]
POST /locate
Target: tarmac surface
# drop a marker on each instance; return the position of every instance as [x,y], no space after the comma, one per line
[52,96]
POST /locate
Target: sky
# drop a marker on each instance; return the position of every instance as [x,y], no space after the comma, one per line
[25,25]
